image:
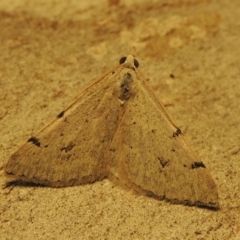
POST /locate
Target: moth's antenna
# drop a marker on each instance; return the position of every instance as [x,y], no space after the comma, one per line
[133,51]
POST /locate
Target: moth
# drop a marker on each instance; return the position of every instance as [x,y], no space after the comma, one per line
[118,129]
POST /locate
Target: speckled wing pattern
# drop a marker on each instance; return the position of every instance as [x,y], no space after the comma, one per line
[71,150]
[116,128]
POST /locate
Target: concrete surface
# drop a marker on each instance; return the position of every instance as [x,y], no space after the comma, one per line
[51,50]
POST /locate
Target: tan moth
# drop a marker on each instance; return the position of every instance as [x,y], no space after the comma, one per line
[116,128]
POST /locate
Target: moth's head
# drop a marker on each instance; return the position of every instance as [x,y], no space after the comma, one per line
[129,61]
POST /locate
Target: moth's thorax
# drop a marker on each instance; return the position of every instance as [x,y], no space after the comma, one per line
[125,88]
[126,84]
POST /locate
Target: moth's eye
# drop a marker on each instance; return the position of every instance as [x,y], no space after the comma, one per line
[122,60]
[136,63]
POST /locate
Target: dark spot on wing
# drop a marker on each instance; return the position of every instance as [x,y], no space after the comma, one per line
[164,163]
[198,165]
[35,141]
[68,148]
[172,75]
[177,132]
[61,114]
[195,165]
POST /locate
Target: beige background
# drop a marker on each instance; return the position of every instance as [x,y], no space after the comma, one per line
[51,50]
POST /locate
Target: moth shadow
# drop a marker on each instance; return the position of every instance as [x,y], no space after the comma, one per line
[133,190]
[185,203]
[16,183]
